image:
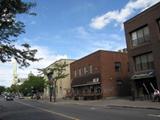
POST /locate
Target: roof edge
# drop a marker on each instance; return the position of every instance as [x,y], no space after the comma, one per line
[145,11]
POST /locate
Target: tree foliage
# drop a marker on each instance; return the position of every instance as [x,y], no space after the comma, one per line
[56,71]
[2,89]
[33,84]
[11,28]
[14,88]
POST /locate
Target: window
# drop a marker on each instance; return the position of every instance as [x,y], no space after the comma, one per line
[75,73]
[79,72]
[140,36]
[138,63]
[90,69]
[117,66]
[85,70]
[144,62]
[134,38]
[150,61]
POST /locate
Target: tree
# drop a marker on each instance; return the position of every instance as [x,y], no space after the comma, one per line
[11,28]
[54,73]
[2,89]
[8,89]
[34,84]
[14,88]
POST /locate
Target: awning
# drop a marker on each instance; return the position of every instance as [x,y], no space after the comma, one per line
[143,75]
[86,80]
[87,84]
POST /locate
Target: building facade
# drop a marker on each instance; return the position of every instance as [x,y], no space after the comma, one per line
[63,86]
[100,74]
[143,43]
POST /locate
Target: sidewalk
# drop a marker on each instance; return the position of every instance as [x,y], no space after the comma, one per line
[110,103]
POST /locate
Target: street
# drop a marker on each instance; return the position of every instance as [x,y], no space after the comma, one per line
[22,109]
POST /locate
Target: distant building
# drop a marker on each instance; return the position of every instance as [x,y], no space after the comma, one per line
[143,44]
[124,50]
[63,85]
[100,74]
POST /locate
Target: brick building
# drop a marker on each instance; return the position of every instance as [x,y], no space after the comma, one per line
[100,74]
[143,43]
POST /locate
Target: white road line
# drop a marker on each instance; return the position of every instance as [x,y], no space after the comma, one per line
[52,112]
[154,115]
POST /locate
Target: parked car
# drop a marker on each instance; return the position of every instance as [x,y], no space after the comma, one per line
[9,98]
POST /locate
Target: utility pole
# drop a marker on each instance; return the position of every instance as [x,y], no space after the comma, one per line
[50,78]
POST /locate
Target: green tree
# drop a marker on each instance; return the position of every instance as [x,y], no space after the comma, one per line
[54,73]
[34,84]
[11,28]
[2,89]
[8,89]
[14,88]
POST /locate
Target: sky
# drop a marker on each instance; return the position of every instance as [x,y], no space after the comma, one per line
[72,29]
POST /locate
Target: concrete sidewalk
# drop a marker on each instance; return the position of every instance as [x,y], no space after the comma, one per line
[108,103]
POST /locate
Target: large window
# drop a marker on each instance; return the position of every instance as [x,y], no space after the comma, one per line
[144,62]
[140,36]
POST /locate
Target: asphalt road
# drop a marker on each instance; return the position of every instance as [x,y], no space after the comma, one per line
[33,110]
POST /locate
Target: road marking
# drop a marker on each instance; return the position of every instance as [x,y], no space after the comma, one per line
[153,115]
[52,112]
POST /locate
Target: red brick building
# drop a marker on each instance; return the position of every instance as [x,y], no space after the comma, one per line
[143,44]
[100,74]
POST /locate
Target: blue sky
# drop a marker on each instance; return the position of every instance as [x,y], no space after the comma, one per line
[64,26]
[74,28]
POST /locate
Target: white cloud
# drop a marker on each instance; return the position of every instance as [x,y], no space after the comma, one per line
[93,40]
[119,16]
[5,74]
[48,56]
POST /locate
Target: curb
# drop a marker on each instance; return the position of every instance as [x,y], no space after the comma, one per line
[103,106]
[127,106]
